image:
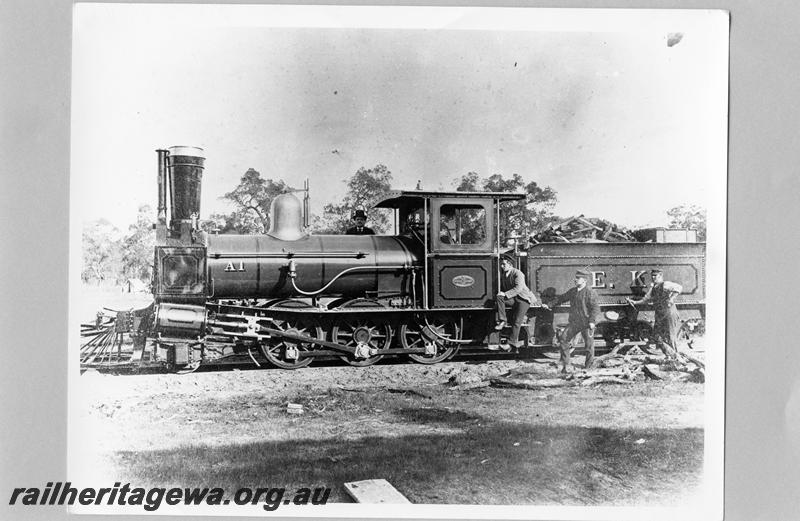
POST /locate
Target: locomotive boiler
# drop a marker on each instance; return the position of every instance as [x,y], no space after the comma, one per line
[192,266]
[289,297]
[270,266]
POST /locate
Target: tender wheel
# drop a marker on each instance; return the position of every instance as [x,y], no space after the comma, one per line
[279,351]
[608,332]
[430,335]
[362,330]
[546,334]
[643,330]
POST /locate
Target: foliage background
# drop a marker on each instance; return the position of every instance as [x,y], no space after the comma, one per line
[111,256]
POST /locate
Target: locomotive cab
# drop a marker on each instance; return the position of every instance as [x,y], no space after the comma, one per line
[460,235]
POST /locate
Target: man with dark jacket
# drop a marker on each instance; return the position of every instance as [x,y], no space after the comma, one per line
[584,311]
[514,293]
[360,220]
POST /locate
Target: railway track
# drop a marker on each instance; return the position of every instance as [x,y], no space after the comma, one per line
[255,360]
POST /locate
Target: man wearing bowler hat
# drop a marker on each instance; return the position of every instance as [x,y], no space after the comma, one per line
[661,294]
[583,313]
[360,219]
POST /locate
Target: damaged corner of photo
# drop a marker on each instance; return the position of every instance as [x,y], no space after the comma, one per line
[340,261]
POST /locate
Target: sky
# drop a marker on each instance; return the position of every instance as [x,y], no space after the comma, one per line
[594,104]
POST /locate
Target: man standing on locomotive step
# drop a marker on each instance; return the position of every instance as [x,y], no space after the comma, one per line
[662,294]
[583,313]
[360,219]
[515,293]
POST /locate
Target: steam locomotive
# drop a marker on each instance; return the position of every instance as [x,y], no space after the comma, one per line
[424,293]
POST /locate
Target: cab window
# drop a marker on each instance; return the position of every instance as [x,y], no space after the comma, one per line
[462,224]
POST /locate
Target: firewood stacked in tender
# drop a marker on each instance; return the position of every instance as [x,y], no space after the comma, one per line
[583,229]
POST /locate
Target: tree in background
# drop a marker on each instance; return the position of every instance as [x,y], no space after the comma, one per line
[100,252]
[236,222]
[110,257]
[517,218]
[364,189]
[251,200]
[689,217]
[137,247]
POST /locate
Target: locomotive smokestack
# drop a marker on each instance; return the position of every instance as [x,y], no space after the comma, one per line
[185,178]
[186,174]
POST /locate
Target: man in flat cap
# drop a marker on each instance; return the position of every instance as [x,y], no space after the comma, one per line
[662,294]
[360,219]
[514,293]
[584,311]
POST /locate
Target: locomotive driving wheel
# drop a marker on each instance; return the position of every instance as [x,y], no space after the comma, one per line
[285,353]
[431,335]
[362,332]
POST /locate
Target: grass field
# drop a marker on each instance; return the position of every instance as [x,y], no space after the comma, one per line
[577,446]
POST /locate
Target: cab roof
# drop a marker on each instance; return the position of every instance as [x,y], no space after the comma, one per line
[403,198]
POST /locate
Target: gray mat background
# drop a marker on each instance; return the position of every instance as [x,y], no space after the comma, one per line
[763,398]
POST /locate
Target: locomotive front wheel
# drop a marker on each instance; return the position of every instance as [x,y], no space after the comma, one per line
[362,330]
[282,352]
[430,335]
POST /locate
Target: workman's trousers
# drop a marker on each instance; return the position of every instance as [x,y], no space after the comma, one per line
[568,336]
[519,308]
[665,330]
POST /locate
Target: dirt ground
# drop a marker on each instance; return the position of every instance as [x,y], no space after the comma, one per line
[611,444]
[640,443]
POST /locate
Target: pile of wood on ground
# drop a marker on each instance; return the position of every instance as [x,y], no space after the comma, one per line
[583,229]
[625,364]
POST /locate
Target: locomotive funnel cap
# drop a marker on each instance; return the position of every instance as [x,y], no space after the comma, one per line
[286,218]
[187,151]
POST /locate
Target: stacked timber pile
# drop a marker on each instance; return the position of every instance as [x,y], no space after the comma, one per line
[583,229]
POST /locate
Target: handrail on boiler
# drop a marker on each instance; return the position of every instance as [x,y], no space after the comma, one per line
[291,255]
[293,274]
